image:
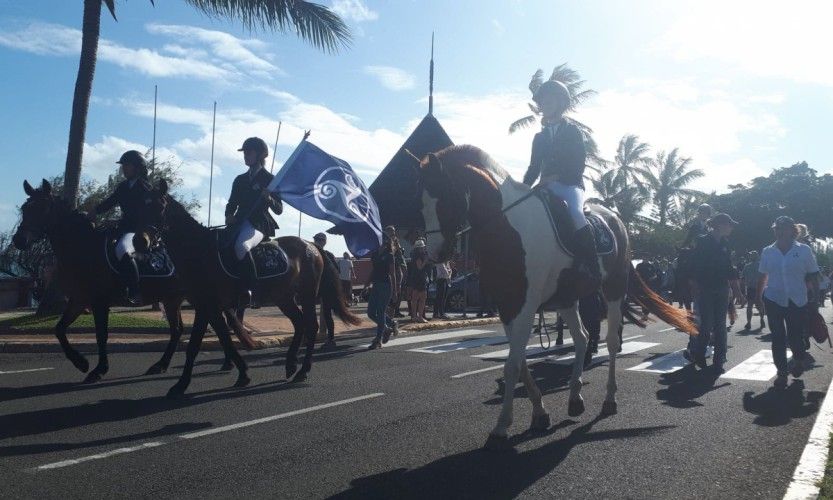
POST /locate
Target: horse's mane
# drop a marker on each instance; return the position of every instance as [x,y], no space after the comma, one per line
[466,154]
[182,212]
[70,215]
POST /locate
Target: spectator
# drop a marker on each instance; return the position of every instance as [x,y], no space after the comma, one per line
[418,281]
[347,274]
[325,323]
[442,272]
[751,276]
[787,268]
[380,281]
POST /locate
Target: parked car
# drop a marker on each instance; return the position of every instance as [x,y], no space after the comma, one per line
[463,290]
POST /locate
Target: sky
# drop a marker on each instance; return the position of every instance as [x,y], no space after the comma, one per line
[740,87]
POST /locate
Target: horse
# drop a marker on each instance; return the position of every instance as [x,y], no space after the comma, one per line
[85,277]
[523,265]
[194,249]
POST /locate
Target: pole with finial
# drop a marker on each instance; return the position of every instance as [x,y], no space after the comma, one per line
[431,80]
[211,175]
[153,147]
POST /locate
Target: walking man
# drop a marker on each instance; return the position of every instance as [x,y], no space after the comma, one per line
[788,268]
[751,276]
[443,274]
[346,274]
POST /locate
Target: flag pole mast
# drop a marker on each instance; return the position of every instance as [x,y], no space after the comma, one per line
[275,151]
[211,177]
[301,214]
[153,147]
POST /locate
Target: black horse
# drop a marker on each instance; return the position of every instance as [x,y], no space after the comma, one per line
[85,277]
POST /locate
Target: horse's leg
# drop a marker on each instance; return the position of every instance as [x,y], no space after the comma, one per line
[291,311]
[614,320]
[197,333]
[70,314]
[310,321]
[228,363]
[540,417]
[173,313]
[101,315]
[218,322]
[518,333]
[579,335]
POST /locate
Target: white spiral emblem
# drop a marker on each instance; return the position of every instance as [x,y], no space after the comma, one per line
[337,189]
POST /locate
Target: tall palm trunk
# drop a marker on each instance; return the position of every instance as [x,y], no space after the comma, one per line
[81,99]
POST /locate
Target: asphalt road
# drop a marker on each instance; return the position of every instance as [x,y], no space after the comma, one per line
[396,423]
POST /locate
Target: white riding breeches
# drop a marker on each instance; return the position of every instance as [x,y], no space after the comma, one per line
[574,197]
[247,238]
[125,245]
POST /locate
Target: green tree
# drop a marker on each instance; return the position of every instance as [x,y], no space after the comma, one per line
[667,176]
[312,22]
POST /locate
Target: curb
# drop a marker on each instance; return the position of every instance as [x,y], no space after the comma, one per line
[265,340]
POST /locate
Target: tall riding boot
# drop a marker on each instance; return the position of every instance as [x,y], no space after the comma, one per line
[130,274]
[587,260]
[248,277]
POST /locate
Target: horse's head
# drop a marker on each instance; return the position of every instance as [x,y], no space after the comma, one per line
[444,207]
[38,215]
[154,217]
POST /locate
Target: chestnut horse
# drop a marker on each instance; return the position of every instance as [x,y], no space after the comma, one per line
[85,277]
[522,265]
[194,249]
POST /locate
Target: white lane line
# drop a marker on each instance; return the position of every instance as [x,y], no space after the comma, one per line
[207,432]
[434,337]
[10,372]
[531,362]
[811,466]
[757,367]
[460,345]
[530,351]
[667,329]
[627,348]
[664,364]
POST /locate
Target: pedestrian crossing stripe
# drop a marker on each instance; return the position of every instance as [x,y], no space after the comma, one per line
[757,367]
[461,344]
[436,336]
[663,364]
[627,348]
[531,350]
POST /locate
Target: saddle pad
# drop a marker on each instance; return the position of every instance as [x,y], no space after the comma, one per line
[155,264]
[605,240]
[270,260]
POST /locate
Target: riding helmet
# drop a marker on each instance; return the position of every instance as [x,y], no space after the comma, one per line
[134,158]
[553,87]
[255,143]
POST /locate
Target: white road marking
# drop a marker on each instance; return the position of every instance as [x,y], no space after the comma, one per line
[627,348]
[668,329]
[811,466]
[434,337]
[207,432]
[530,351]
[757,367]
[460,345]
[664,364]
[10,372]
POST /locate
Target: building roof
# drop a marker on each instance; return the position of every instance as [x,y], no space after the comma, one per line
[395,189]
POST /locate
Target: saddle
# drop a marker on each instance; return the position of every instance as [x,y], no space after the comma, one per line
[156,263]
[270,259]
[563,227]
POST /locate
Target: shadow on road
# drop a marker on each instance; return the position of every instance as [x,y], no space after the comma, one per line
[485,474]
[685,386]
[780,406]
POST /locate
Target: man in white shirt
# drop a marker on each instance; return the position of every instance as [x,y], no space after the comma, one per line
[346,275]
[787,269]
[442,277]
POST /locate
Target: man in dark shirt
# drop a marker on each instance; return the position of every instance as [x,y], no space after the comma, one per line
[381,280]
[698,227]
[326,323]
[712,274]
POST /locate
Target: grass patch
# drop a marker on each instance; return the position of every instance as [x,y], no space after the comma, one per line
[826,492]
[117,320]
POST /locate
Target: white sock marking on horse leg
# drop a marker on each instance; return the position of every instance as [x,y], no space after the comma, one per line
[518,333]
[579,335]
[532,390]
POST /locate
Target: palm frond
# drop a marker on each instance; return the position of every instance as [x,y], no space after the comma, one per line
[534,109]
[111,6]
[524,122]
[536,81]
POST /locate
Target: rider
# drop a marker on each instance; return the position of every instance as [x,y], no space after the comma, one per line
[558,156]
[249,205]
[698,226]
[132,196]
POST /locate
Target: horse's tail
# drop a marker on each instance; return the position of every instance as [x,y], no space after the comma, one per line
[642,295]
[332,294]
[239,329]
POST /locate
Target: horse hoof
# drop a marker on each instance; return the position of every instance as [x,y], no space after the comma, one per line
[242,381]
[92,377]
[156,369]
[227,366]
[609,408]
[497,443]
[176,392]
[540,423]
[302,375]
[81,363]
[575,407]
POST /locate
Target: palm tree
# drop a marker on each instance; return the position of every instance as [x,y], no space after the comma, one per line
[312,22]
[569,77]
[630,156]
[667,176]
[627,199]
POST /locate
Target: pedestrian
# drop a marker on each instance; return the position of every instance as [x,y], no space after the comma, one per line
[788,268]
[698,227]
[347,274]
[326,325]
[712,275]
[750,276]
[442,272]
[418,281]
[381,282]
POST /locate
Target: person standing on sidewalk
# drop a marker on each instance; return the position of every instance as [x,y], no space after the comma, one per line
[418,281]
[347,274]
[326,325]
[751,275]
[381,280]
[788,268]
[443,275]
[712,276]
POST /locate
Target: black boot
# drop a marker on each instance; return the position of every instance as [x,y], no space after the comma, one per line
[587,260]
[130,274]
[248,278]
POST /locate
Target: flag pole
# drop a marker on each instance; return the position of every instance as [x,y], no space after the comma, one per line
[301,214]
[275,151]
[153,147]
[211,177]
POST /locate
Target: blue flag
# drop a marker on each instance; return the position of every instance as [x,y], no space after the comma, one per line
[325,187]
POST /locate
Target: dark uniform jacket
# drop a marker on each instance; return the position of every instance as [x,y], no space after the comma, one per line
[246,193]
[696,229]
[134,203]
[711,263]
[559,153]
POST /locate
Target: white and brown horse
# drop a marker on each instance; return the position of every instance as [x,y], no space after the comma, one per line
[522,265]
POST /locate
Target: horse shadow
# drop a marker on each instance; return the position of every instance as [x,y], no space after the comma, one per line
[551,378]
[683,387]
[480,473]
[775,407]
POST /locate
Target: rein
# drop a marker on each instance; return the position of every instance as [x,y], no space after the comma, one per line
[502,211]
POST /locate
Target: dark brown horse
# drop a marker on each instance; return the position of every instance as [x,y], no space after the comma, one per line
[85,277]
[194,249]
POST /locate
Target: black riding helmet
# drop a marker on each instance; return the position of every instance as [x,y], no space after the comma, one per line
[136,159]
[255,143]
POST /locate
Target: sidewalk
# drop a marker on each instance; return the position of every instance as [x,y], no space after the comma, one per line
[268,327]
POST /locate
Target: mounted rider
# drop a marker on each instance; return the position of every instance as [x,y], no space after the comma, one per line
[558,156]
[132,196]
[699,225]
[248,208]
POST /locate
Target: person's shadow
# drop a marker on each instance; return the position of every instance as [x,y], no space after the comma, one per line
[486,474]
[685,386]
[776,407]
